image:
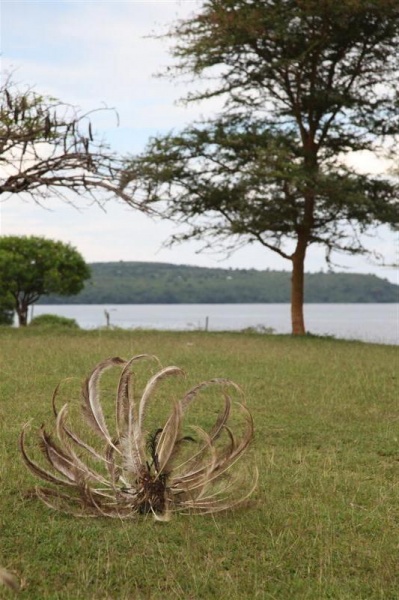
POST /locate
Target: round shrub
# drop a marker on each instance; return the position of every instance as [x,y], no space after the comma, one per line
[53,321]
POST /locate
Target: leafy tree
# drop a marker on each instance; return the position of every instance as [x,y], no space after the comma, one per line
[48,149]
[304,83]
[6,310]
[33,266]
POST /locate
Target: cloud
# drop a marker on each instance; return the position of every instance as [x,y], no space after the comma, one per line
[99,54]
[93,53]
[368,163]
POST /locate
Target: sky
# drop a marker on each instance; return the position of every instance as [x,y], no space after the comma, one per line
[100,53]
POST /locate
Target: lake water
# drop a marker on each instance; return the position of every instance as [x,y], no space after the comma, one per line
[378,323]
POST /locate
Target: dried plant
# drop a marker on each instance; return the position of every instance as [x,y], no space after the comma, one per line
[140,471]
[9,580]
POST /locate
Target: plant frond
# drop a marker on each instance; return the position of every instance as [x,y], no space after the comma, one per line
[34,467]
[133,472]
[150,388]
[91,404]
[167,444]
[125,401]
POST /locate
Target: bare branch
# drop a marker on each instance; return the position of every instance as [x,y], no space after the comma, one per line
[50,149]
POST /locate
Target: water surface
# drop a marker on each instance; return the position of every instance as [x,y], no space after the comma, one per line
[377,323]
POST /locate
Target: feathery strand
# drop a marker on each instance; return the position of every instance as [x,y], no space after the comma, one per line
[140,471]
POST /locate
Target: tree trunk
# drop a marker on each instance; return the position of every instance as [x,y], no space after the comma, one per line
[297,288]
[22,312]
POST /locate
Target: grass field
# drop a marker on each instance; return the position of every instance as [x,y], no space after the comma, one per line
[324,522]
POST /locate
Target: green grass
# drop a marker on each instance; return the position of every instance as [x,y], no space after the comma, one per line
[323,524]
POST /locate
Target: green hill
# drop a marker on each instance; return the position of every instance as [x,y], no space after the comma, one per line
[160,283]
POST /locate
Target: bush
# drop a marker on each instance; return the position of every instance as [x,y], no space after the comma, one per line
[259,329]
[53,321]
[6,311]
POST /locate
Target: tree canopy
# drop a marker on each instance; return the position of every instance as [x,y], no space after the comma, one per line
[33,266]
[305,83]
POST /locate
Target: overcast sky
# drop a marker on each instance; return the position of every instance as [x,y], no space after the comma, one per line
[98,53]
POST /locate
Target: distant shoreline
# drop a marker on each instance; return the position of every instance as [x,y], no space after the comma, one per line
[377,323]
[162,283]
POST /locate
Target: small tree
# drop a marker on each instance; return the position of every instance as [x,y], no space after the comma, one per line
[6,310]
[305,83]
[49,149]
[31,267]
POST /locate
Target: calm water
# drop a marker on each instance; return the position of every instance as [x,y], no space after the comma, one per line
[377,323]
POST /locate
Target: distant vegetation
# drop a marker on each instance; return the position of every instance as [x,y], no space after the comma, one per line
[53,321]
[160,283]
[33,266]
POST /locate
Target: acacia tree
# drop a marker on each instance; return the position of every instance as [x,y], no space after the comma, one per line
[48,149]
[304,83]
[31,267]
